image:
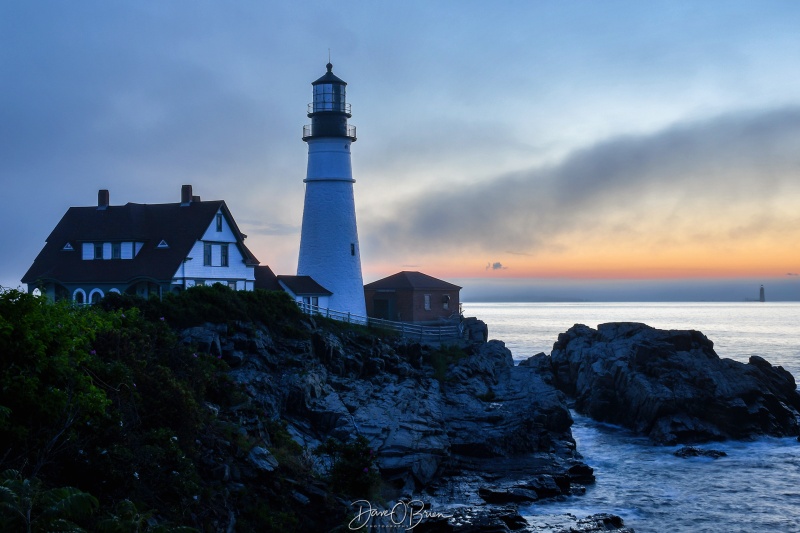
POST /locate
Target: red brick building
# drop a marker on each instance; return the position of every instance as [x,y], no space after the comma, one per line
[412,297]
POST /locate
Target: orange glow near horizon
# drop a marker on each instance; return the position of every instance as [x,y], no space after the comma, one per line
[601,264]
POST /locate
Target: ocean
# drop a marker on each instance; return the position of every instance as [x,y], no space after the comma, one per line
[755,488]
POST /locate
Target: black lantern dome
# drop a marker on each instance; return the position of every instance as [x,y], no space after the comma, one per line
[329,110]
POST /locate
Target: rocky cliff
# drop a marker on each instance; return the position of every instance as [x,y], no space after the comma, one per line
[456,425]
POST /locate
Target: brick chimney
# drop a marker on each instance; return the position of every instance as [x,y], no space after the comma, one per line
[186,195]
[102,199]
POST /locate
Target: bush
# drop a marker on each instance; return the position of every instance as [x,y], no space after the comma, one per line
[442,358]
[351,466]
[47,389]
[217,304]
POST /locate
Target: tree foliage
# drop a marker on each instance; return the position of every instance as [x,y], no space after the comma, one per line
[25,505]
[105,421]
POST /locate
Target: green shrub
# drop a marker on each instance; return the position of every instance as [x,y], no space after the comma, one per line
[26,505]
[217,304]
[48,392]
[352,470]
[441,358]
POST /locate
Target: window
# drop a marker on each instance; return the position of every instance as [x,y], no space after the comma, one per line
[224,255]
[446,301]
[79,296]
[68,247]
[206,254]
[232,285]
[162,244]
[98,250]
[219,221]
[427,302]
[116,250]
[352,249]
[329,97]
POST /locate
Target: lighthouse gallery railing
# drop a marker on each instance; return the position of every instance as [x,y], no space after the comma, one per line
[308,131]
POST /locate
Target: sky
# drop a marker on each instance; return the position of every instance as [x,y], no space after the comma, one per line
[527,151]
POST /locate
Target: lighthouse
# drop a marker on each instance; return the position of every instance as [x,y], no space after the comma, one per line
[329,250]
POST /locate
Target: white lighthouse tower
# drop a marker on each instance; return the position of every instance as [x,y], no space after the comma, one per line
[329,251]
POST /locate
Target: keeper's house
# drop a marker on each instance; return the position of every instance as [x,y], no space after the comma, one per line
[142,249]
[412,297]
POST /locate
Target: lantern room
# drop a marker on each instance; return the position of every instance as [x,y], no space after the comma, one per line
[329,109]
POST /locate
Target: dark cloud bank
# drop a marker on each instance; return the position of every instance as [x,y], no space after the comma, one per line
[738,159]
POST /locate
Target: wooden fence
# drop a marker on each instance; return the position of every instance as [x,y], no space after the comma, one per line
[440,334]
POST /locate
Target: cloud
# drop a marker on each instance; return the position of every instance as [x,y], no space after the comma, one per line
[717,179]
[267,228]
[495,266]
[792,274]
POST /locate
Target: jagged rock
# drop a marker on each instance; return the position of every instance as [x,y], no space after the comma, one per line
[472,520]
[262,460]
[581,473]
[484,423]
[507,495]
[671,385]
[508,519]
[476,331]
[692,451]
[206,338]
[571,524]
[496,409]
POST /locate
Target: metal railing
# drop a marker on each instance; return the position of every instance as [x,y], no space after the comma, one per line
[308,132]
[409,330]
[316,107]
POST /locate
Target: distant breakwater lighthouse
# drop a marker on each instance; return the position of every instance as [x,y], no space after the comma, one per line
[329,250]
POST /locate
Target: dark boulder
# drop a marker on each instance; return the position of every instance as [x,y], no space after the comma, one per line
[671,385]
[693,451]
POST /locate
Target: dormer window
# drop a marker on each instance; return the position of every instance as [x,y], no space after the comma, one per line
[68,247]
[163,244]
[219,221]
[109,250]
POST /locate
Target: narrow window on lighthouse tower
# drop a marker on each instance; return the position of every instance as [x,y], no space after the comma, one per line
[352,249]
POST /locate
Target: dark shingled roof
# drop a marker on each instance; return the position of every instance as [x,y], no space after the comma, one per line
[266,279]
[329,77]
[304,286]
[410,280]
[180,226]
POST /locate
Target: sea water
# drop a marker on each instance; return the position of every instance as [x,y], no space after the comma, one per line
[755,488]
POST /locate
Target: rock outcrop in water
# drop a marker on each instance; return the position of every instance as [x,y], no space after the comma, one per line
[671,385]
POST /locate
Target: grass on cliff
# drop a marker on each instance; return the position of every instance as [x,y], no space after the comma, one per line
[441,358]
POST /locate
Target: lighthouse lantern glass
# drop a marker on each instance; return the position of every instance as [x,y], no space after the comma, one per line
[329,97]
